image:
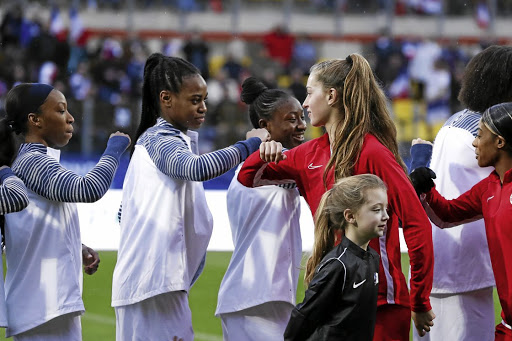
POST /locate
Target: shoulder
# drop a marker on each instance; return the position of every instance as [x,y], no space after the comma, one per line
[373,149]
[465,119]
[159,134]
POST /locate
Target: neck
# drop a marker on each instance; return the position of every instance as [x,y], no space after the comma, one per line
[29,138]
[502,166]
[330,128]
[354,238]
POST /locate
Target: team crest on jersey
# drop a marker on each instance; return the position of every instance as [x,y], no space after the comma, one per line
[376,276]
[511,198]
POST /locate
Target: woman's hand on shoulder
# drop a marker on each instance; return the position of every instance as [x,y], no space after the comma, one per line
[272,151]
[262,133]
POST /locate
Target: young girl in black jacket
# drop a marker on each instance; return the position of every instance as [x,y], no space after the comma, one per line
[341,300]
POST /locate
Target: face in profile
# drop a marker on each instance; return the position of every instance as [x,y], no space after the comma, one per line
[288,123]
[371,218]
[188,107]
[316,102]
[55,121]
[485,143]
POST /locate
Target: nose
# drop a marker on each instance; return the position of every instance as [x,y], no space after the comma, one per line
[474,143]
[203,107]
[70,118]
[305,103]
[385,216]
[302,124]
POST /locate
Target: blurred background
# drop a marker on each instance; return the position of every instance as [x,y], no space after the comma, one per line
[94,52]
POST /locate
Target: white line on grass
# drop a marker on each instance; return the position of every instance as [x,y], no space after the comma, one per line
[206,337]
[98,318]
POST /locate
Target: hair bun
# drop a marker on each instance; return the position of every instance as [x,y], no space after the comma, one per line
[252,89]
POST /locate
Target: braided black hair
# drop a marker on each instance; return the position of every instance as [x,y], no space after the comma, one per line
[160,73]
[262,101]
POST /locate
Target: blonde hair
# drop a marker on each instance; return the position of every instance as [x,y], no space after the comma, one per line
[364,110]
[348,193]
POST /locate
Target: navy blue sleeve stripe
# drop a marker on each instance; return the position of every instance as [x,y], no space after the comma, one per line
[467,120]
[46,177]
[13,195]
[172,157]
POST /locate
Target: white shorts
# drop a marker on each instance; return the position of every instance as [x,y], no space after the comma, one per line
[466,316]
[263,322]
[63,328]
[159,317]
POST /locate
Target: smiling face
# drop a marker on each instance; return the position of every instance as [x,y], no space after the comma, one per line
[370,220]
[485,144]
[287,124]
[317,102]
[187,109]
[54,123]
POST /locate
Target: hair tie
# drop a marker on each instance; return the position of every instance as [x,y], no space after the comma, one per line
[349,60]
[10,126]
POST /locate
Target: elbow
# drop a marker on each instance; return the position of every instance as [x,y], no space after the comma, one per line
[22,203]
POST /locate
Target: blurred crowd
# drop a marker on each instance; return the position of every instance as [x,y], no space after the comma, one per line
[102,76]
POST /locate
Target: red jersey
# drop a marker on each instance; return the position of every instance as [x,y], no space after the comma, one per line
[305,165]
[492,200]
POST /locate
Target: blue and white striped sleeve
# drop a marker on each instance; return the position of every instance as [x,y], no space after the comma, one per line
[45,176]
[13,193]
[173,158]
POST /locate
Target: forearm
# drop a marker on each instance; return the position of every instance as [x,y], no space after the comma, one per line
[45,176]
[420,155]
[174,159]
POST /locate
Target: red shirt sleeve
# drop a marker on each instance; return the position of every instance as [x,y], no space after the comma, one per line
[255,172]
[405,204]
[467,207]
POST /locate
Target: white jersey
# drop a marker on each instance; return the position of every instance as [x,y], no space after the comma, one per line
[165,229]
[265,263]
[166,224]
[461,253]
[44,262]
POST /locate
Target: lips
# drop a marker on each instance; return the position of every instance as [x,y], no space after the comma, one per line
[299,137]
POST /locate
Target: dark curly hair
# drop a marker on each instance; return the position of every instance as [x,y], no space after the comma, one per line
[487,79]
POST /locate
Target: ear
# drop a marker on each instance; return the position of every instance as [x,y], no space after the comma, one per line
[350,216]
[263,124]
[500,142]
[166,98]
[332,96]
[34,120]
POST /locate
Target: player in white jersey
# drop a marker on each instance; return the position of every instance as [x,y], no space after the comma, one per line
[257,293]
[165,223]
[463,279]
[43,283]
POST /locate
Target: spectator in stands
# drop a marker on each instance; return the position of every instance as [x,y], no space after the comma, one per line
[196,52]
[304,54]
[279,45]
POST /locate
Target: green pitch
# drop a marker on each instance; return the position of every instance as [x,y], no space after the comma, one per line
[98,323]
